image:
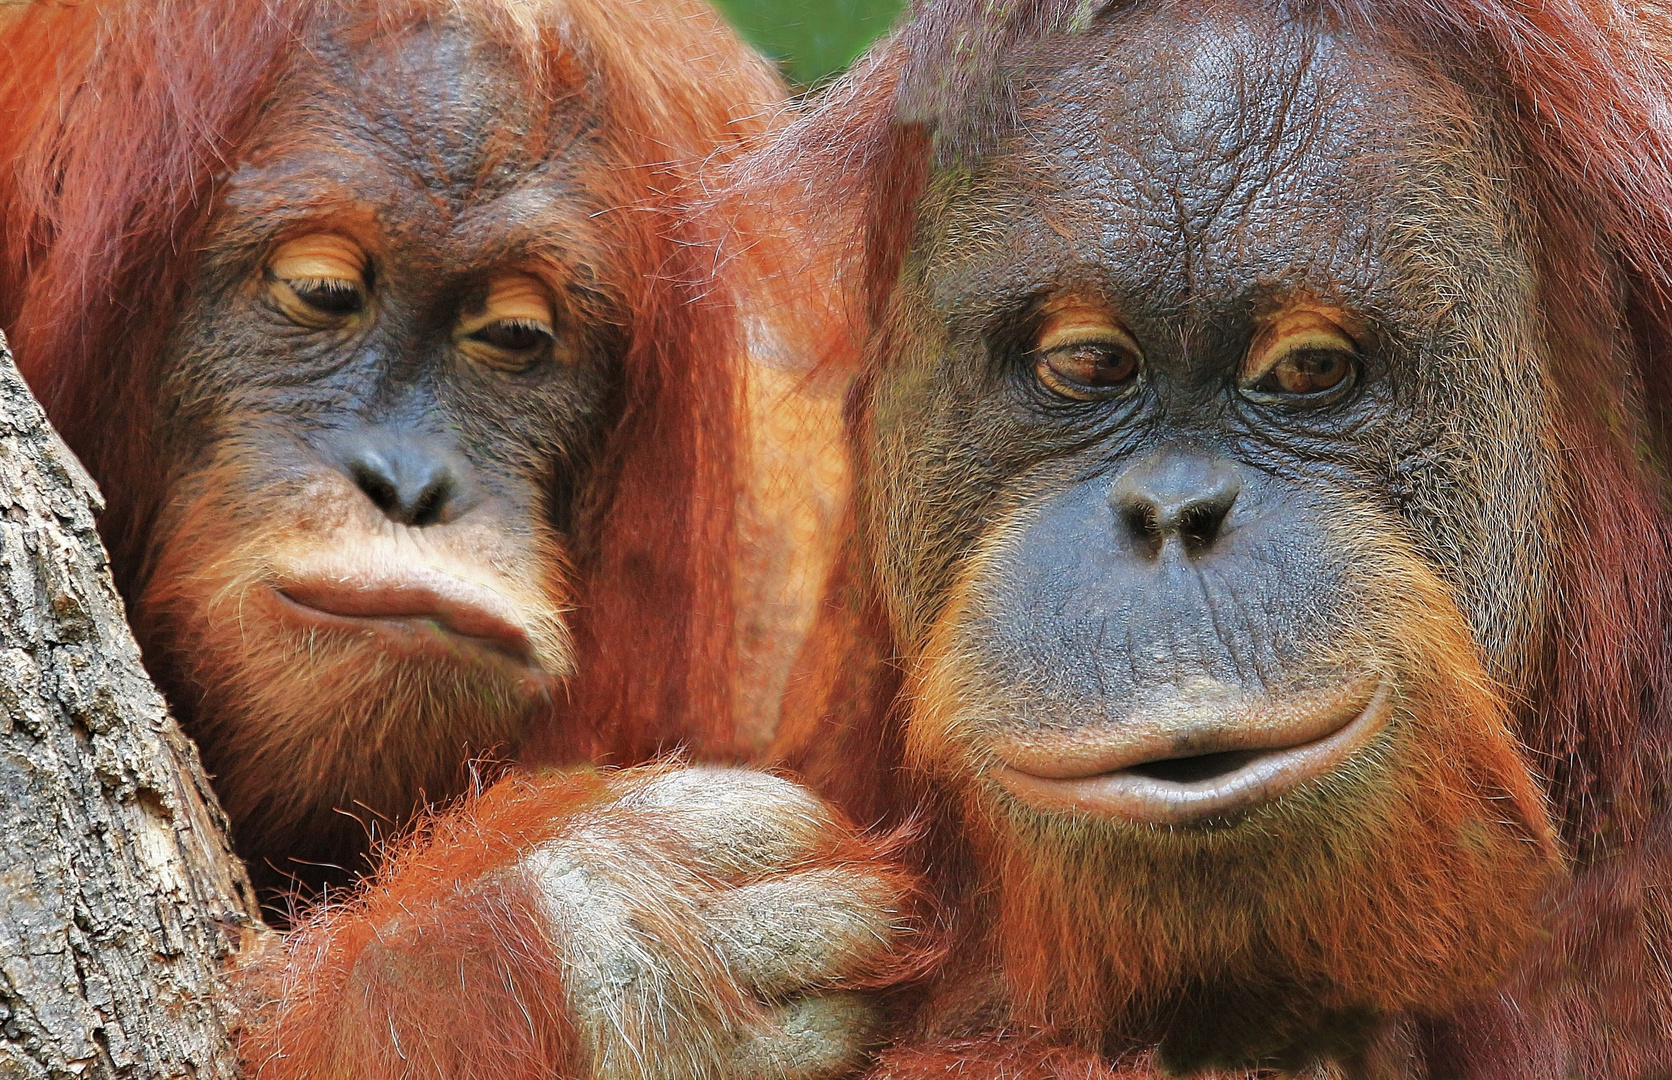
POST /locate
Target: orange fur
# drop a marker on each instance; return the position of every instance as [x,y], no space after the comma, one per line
[1580,753]
[125,121]
[1013,1058]
[447,964]
[349,739]
[1093,923]
[439,967]
[92,236]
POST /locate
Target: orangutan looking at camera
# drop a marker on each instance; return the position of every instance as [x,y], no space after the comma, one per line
[1259,571]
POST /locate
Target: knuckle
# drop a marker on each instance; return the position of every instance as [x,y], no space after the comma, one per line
[805,929]
[723,790]
[648,995]
[811,1038]
[734,823]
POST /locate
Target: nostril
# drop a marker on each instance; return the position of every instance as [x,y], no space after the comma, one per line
[431,503]
[1143,522]
[1172,494]
[1200,524]
[409,480]
[376,486]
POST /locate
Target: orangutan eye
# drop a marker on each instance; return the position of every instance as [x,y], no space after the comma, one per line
[318,280]
[329,295]
[515,328]
[515,335]
[1082,353]
[1301,358]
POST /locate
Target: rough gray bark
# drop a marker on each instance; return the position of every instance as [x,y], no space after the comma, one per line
[120,898]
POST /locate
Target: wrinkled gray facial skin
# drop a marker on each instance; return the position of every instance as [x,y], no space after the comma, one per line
[433,155]
[1196,173]
[1058,571]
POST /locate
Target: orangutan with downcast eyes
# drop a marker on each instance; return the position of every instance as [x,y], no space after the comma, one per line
[345,327]
[1259,569]
[414,388]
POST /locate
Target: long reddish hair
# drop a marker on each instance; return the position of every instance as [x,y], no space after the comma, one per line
[124,120]
[1584,87]
[1587,90]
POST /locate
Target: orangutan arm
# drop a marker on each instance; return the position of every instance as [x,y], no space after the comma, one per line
[1009,1057]
[649,923]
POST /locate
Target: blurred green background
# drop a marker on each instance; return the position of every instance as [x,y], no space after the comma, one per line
[811,38]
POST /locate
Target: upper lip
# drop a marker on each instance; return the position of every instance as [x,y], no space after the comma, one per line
[462,607]
[1189,762]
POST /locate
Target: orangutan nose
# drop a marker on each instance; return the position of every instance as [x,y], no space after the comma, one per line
[1173,494]
[414,479]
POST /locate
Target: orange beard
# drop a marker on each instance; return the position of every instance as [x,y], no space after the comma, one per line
[1408,880]
[322,737]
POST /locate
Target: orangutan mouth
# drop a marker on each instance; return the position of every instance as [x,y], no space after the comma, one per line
[1194,764]
[412,607]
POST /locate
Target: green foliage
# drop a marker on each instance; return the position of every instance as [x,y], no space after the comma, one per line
[811,38]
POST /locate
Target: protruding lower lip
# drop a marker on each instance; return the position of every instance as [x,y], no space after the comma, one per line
[1177,774]
[412,602]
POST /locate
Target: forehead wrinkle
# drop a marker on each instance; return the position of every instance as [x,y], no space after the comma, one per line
[546,218]
[1232,131]
[1303,171]
[332,172]
[306,180]
[320,173]
[441,104]
[1257,140]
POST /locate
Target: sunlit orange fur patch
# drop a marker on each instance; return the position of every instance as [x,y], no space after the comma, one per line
[304,725]
[1411,879]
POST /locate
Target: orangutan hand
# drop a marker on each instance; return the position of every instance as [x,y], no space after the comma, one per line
[721,922]
[652,923]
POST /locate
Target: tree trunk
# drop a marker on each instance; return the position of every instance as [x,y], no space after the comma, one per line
[120,897]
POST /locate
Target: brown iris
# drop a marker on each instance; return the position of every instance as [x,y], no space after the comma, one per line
[1303,356]
[1082,353]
